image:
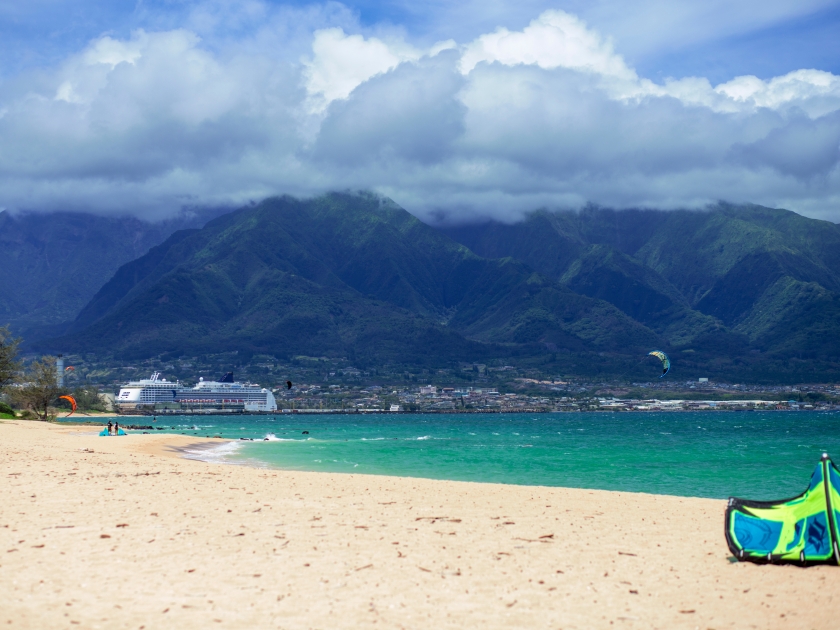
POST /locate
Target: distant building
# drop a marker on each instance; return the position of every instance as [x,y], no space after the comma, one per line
[59,370]
[395,408]
[428,389]
[702,380]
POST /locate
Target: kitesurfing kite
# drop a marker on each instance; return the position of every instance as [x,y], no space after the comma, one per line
[69,368]
[288,384]
[72,404]
[666,362]
[802,530]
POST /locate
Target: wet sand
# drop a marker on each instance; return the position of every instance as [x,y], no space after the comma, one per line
[123,532]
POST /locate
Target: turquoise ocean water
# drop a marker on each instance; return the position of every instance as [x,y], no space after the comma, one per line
[757,455]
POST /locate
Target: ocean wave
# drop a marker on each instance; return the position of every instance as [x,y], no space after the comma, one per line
[270,437]
[215,455]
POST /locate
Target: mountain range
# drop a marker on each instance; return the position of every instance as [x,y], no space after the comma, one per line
[750,276]
[736,292]
[54,263]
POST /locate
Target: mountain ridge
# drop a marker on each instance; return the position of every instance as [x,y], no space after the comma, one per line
[53,264]
[741,290]
[374,260]
[722,262]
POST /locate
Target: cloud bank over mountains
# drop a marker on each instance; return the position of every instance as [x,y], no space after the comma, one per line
[301,100]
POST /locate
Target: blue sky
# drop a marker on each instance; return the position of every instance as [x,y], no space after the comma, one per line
[807,40]
[792,35]
[462,110]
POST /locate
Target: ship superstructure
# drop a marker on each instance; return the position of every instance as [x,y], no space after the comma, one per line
[228,394]
[225,395]
[148,392]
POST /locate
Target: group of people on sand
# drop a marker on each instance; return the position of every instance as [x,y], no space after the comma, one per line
[113,427]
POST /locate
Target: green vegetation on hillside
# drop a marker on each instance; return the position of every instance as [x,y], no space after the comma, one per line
[745,291]
[732,288]
[54,263]
[341,275]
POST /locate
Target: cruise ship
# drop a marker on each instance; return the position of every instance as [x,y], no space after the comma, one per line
[226,395]
[148,391]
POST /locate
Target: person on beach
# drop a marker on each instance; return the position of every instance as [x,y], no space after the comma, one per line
[110,428]
[117,427]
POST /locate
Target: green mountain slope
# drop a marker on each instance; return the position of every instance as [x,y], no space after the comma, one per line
[339,275]
[747,293]
[753,279]
[605,273]
[587,253]
[795,319]
[53,264]
[696,250]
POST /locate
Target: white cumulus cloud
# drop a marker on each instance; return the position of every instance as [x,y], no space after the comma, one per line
[497,125]
[341,62]
[554,40]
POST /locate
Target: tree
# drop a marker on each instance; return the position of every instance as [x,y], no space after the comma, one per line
[9,365]
[40,387]
[88,398]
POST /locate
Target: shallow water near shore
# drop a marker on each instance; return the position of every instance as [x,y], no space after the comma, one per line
[757,455]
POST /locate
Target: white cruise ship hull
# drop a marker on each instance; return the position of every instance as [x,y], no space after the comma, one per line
[226,396]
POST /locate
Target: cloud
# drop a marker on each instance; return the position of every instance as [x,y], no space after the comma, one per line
[302,101]
[554,40]
[412,115]
[342,62]
[814,91]
[803,148]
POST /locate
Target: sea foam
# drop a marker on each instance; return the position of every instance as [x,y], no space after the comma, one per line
[217,454]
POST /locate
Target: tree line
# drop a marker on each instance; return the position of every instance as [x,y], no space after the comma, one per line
[35,389]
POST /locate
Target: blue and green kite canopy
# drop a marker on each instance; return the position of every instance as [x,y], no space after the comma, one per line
[803,530]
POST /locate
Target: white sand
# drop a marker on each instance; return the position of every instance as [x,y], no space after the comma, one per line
[133,536]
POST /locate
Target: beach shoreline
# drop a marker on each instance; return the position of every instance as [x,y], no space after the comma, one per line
[126,532]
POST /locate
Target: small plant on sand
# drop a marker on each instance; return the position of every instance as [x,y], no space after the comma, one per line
[6,411]
[39,388]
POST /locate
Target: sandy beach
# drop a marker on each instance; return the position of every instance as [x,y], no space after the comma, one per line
[127,533]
